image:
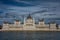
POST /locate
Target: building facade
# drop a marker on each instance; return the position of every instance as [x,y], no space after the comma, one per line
[29,24]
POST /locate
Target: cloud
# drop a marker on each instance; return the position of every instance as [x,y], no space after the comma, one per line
[24,2]
[16,3]
[44,7]
[36,8]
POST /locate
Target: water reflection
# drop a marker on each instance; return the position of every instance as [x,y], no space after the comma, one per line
[29,35]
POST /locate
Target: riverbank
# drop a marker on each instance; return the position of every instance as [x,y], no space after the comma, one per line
[53,30]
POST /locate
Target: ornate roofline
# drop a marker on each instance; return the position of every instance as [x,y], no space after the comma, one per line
[29,17]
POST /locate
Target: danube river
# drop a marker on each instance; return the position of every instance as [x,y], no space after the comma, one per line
[19,35]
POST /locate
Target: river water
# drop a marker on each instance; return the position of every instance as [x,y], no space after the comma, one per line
[20,35]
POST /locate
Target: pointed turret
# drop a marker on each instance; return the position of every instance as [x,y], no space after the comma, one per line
[17,21]
[41,22]
[5,22]
[52,25]
[5,25]
[29,17]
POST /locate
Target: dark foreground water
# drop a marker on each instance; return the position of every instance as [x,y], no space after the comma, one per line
[29,35]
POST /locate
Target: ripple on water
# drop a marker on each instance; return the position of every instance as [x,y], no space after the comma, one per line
[20,35]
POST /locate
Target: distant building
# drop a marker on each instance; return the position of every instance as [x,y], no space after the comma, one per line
[29,24]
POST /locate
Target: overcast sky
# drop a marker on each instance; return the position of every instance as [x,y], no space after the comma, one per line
[37,8]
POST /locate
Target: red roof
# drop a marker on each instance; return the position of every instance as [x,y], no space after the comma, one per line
[17,20]
[41,20]
[5,22]
[29,17]
[51,22]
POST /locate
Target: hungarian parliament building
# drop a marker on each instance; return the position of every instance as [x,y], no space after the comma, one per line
[29,24]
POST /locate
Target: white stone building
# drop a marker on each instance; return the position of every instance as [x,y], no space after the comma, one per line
[29,24]
[52,25]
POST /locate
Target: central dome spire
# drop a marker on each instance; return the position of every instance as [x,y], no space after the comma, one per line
[29,17]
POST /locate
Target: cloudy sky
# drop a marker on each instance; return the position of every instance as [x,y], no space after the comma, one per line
[12,9]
